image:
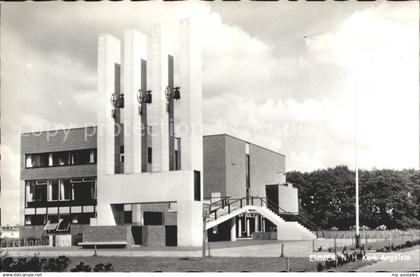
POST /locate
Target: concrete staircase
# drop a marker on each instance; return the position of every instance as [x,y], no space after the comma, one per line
[286,230]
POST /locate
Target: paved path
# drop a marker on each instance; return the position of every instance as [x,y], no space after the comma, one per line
[395,262]
[227,249]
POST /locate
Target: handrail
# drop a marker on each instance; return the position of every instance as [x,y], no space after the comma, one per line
[251,200]
[231,201]
[301,217]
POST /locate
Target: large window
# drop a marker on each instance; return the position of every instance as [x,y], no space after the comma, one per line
[30,191]
[53,190]
[197,185]
[247,171]
[62,158]
[83,156]
[65,189]
[37,160]
[84,190]
[149,155]
[41,191]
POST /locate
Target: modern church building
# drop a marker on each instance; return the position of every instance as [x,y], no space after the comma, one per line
[145,174]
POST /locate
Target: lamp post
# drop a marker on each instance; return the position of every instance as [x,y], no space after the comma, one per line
[357,236]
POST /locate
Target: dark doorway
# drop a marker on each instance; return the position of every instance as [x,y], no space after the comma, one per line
[171,235]
[272,194]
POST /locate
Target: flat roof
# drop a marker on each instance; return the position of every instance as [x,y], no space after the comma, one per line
[214,135]
[58,130]
[246,142]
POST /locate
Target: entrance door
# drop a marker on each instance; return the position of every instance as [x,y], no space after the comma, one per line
[272,196]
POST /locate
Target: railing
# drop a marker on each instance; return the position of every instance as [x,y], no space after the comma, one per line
[11,243]
[291,216]
[237,203]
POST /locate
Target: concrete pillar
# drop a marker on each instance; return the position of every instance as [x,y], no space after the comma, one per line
[263,224]
[137,214]
[248,229]
[135,52]
[190,223]
[161,47]
[190,105]
[108,58]
[257,218]
[233,229]
[239,227]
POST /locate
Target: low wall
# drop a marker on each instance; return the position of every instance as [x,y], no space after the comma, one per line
[108,234]
[153,236]
[32,232]
[264,235]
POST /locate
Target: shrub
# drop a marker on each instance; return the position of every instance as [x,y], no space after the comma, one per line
[320,249]
[103,268]
[34,264]
[330,249]
[320,267]
[81,267]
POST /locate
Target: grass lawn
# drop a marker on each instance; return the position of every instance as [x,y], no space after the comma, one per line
[208,264]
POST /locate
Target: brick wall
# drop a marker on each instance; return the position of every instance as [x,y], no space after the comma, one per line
[214,168]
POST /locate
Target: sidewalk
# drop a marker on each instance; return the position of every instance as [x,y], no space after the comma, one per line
[249,248]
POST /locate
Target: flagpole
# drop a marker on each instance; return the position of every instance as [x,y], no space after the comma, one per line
[357,237]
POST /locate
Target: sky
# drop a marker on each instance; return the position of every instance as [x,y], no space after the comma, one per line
[284,75]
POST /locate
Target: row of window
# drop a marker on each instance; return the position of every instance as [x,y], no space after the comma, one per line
[62,158]
[73,219]
[77,189]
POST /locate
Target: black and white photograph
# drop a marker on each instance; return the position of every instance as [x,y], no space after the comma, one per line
[210,136]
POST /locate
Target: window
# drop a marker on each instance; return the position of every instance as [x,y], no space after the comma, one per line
[53,218]
[65,189]
[37,160]
[53,190]
[176,160]
[153,218]
[149,155]
[61,158]
[41,191]
[35,220]
[92,156]
[83,191]
[122,153]
[28,161]
[30,191]
[247,169]
[197,185]
[128,217]
[83,157]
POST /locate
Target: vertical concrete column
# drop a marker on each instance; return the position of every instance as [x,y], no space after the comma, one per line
[135,51]
[263,224]
[239,227]
[161,47]
[190,223]
[190,110]
[233,229]
[22,204]
[257,219]
[248,229]
[108,57]
[137,214]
